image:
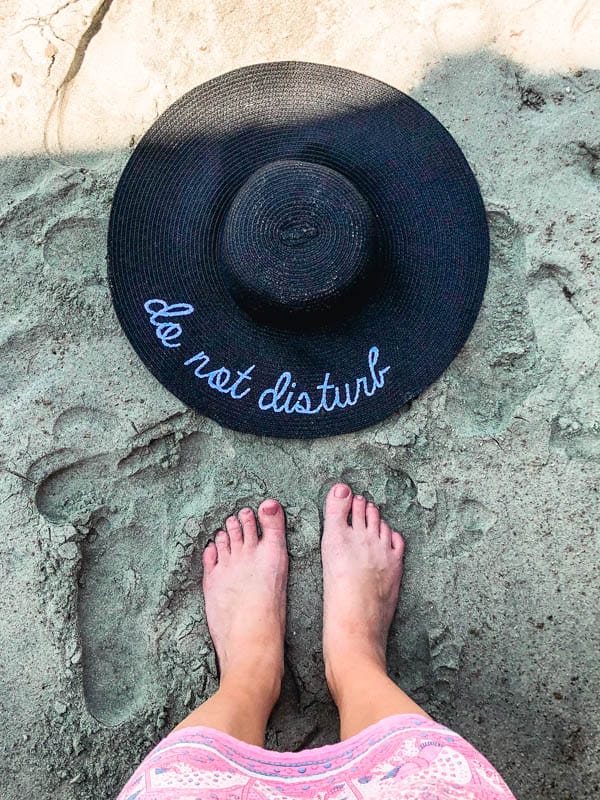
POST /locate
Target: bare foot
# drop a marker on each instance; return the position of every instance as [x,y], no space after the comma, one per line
[362,570]
[245,577]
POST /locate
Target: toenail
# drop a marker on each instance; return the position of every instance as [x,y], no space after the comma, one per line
[210,541]
[358,497]
[271,508]
[341,491]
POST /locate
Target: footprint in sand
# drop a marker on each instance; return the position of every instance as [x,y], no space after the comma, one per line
[498,367]
[120,577]
[116,603]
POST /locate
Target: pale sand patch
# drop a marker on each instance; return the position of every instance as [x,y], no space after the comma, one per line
[87,76]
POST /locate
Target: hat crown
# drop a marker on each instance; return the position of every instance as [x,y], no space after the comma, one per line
[296,233]
[296,244]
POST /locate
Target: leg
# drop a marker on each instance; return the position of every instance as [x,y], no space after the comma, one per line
[244,584]
[362,569]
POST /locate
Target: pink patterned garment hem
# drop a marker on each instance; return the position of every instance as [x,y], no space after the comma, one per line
[403,757]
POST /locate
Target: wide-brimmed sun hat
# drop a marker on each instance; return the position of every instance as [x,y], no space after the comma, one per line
[297,249]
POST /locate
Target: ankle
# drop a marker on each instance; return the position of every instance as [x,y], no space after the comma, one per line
[354,670]
[259,686]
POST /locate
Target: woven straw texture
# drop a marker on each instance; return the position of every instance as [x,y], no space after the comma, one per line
[173,294]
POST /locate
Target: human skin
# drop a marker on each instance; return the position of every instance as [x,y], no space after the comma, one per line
[244,583]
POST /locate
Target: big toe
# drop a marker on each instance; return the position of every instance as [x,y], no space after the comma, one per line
[338,502]
[272,521]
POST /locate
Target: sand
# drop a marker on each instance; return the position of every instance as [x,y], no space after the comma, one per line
[109,486]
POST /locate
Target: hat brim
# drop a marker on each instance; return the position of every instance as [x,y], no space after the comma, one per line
[432,253]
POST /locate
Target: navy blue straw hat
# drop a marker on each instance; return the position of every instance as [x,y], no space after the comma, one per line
[297,249]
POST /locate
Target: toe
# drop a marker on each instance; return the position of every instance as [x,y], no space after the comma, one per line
[397,542]
[272,521]
[359,507]
[339,502]
[385,533]
[234,529]
[209,556]
[222,543]
[249,528]
[372,515]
